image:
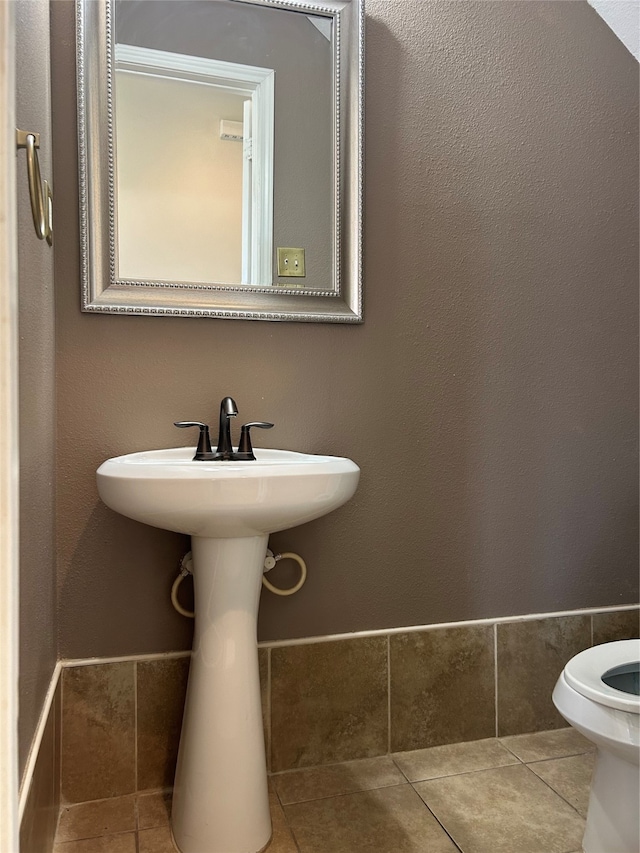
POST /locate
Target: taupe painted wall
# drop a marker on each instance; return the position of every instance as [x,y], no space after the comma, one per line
[37,397]
[490,397]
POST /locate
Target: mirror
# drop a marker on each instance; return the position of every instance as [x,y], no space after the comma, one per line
[221,158]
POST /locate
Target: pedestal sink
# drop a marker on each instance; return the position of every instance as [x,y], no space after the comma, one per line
[220,801]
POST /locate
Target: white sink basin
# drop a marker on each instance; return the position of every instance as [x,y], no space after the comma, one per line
[220,796]
[280,489]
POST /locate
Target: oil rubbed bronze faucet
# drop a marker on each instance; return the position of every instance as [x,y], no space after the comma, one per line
[228,410]
[245,451]
[224,451]
[204,453]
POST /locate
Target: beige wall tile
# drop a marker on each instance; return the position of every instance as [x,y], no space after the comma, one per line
[442,687]
[365,774]
[620,625]
[531,656]
[504,810]
[328,702]
[453,758]
[98,732]
[161,686]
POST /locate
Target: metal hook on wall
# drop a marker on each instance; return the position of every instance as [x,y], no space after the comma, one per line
[39,191]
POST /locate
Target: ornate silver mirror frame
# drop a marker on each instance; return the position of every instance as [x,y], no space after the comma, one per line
[103,292]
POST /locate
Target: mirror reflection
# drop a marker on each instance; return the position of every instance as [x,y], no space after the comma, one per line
[216,203]
[224,141]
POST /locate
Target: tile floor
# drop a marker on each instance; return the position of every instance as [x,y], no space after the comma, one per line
[519,794]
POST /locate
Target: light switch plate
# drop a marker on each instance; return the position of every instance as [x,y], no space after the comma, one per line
[290,262]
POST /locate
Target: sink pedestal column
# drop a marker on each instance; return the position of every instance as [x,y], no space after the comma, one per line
[220,799]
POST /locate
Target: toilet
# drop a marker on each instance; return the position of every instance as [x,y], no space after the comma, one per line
[597,693]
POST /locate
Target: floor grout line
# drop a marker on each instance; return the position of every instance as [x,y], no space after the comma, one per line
[332,764]
[286,820]
[558,757]
[463,773]
[400,769]
[348,793]
[557,793]
[444,828]
[147,791]
[512,753]
[93,837]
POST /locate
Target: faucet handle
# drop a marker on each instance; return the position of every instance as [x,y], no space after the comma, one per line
[203,451]
[245,450]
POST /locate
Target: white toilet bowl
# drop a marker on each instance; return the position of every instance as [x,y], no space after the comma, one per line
[607,712]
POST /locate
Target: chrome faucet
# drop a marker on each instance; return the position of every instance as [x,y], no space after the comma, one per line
[228,410]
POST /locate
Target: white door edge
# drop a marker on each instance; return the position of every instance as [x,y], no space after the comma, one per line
[9,497]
